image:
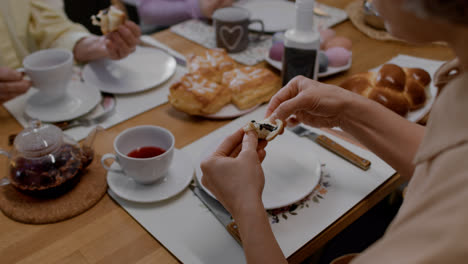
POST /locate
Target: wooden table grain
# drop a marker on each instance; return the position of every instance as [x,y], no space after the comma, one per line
[107,234]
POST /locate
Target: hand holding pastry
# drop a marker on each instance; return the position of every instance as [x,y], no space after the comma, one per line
[12,84]
[310,102]
[123,41]
[233,173]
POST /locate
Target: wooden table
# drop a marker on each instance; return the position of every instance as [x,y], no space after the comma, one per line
[107,234]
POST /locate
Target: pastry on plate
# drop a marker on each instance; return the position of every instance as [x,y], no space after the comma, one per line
[251,86]
[265,129]
[196,95]
[109,19]
[211,65]
[397,88]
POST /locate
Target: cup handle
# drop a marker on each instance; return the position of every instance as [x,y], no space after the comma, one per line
[106,157]
[262,32]
[23,71]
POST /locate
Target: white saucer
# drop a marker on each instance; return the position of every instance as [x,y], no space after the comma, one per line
[144,69]
[79,100]
[330,71]
[178,178]
[291,170]
[230,111]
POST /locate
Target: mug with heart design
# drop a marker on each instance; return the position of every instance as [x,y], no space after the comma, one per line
[232,28]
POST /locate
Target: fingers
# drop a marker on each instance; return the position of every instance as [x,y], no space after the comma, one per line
[8,75]
[9,90]
[122,42]
[134,28]
[261,155]
[261,145]
[131,38]
[229,144]
[288,92]
[249,144]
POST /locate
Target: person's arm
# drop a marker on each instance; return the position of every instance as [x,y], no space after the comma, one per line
[235,176]
[388,135]
[168,12]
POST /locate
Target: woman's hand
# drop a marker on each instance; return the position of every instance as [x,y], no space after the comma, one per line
[116,45]
[233,173]
[208,7]
[12,84]
[310,102]
[123,41]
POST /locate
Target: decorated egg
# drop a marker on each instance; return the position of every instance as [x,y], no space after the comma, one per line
[276,51]
[338,56]
[325,35]
[339,41]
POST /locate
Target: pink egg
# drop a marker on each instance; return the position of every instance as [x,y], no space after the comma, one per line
[338,41]
[276,51]
[338,56]
[325,35]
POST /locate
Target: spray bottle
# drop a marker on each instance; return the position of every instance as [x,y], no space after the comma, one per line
[302,44]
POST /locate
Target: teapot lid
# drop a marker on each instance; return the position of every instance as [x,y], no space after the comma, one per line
[38,140]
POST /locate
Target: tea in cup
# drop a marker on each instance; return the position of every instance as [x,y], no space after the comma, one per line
[50,72]
[144,153]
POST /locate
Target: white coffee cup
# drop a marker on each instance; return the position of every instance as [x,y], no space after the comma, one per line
[142,170]
[50,71]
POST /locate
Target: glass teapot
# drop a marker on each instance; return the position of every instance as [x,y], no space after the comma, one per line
[46,162]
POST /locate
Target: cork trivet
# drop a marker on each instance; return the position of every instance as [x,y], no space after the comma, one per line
[26,209]
[356,15]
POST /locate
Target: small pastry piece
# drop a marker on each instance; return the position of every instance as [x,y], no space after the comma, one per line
[196,95]
[109,19]
[265,129]
[251,86]
[211,65]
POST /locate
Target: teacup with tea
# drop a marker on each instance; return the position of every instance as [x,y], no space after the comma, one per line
[144,153]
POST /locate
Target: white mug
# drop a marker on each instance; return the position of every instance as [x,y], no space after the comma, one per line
[142,170]
[50,71]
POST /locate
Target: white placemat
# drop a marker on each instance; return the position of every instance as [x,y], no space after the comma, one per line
[189,230]
[203,34]
[127,106]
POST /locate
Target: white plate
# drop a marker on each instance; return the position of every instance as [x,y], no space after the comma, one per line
[142,70]
[278,15]
[330,71]
[291,170]
[230,111]
[79,100]
[178,178]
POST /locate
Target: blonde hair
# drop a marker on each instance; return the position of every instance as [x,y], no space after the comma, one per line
[455,11]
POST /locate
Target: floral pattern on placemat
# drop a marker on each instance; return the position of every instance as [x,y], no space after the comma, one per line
[203,34]
[316,196]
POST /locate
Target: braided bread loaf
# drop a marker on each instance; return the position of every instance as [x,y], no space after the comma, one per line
[397,88]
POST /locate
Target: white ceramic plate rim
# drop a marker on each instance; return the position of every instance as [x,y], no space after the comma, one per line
[317,174]
[178,154]
[172,63]
[81,92]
